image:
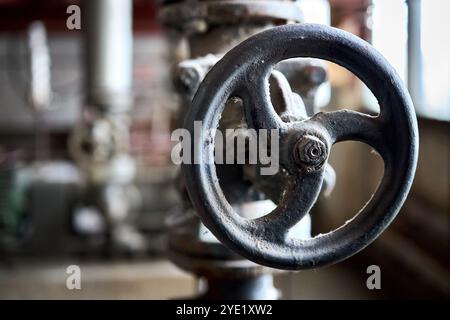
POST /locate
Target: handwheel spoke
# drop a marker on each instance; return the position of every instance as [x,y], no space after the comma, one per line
[259,111]
[297,202]
[345,125]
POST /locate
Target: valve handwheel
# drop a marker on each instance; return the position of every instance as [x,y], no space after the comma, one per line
[304,146]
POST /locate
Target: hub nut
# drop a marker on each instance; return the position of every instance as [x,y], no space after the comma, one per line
[311,152]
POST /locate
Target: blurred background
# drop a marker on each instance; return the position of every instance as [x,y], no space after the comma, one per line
[86,177]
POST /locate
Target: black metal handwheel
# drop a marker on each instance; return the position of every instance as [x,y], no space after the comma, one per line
[305,146]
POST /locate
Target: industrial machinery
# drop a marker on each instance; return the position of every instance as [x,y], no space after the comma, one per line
[100,142]
[269,82]
[209,29]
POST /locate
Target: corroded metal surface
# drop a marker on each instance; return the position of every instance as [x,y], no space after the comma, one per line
[198,15]
[243,73]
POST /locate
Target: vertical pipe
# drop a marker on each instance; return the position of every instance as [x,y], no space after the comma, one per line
[109,53]
[415,58]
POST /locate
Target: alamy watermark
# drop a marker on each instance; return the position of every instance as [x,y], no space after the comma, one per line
[233,146]
[73,22]
[73,281]
[374,280]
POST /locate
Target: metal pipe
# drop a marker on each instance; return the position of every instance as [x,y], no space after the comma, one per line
[109,53]
[248,288]
[415,56]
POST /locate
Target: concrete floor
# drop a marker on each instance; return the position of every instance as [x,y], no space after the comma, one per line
[113,280]
[159,280]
